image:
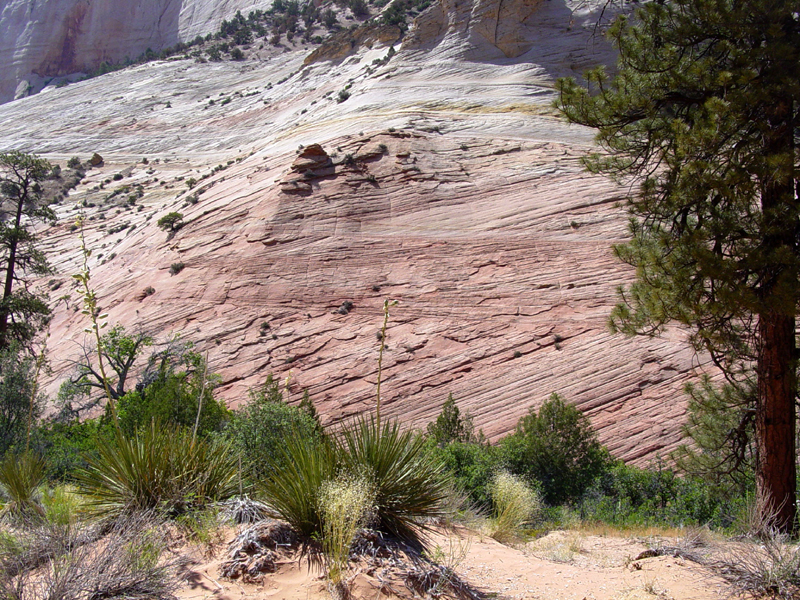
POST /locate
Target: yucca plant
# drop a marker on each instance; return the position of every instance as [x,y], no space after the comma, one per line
[410,485]
[158,468]
[292,488]
[21,478]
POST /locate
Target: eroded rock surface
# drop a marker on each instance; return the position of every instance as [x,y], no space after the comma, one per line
[506,27]
[446,183]
[50,38]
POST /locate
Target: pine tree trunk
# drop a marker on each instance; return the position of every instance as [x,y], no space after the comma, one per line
[775,419]
[776,472]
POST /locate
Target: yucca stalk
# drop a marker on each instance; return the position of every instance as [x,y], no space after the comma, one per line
[98,320]
[386,304]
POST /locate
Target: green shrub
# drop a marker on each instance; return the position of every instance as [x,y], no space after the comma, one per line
[74,163]
[359,8]
[65,446]
[259,431]
[558,448]
[159,468]
[471,466]
[176,268]
[62,505]
[629,496]
[172,399]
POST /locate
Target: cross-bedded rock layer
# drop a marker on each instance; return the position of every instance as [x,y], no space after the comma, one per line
[444,181]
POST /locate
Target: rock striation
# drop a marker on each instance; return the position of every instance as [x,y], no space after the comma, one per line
[444,182]
[46,39]
[505,28]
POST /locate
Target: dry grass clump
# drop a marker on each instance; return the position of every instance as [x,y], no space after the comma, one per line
[765,568]
[515,503]
[128,561]
[559,546]
[346,504]
[688,546]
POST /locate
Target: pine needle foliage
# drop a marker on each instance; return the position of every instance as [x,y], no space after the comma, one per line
[703,115]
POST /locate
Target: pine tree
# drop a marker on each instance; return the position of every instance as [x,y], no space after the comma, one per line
[22,312]
[703,113]
[451,426]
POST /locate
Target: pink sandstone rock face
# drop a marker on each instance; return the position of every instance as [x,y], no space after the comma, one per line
[505,26]
[504,283]
[49,38]
[445,183]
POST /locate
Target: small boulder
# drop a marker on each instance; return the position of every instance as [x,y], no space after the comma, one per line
[96,160]
[312,158]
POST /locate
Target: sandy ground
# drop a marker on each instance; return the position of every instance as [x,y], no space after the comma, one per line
[563,565]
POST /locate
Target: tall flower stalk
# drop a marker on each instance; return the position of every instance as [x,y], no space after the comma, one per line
[98,321]
[386,304]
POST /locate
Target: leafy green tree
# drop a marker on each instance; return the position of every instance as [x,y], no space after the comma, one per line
[172,399]
[703,113]
[451,426]
[557,447]
[22,311]
[120,350]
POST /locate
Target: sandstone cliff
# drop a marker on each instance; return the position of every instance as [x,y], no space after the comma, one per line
[43,39]
[444,181]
